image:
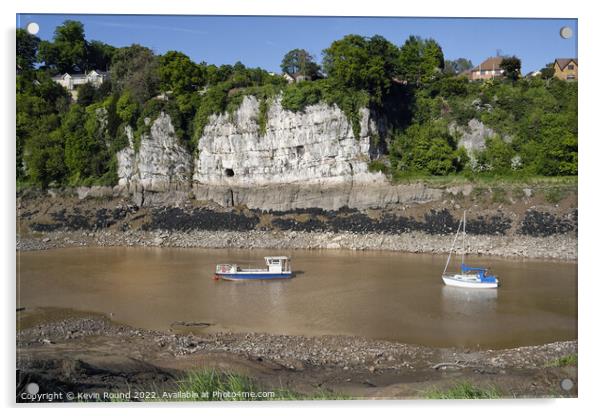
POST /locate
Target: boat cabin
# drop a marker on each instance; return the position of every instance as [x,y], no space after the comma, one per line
[480,272]
[278,264]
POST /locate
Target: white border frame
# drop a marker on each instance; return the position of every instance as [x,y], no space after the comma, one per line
[589,153]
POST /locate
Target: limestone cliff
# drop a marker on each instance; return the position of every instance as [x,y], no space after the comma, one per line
[313,146]
[161,163]
[301,159]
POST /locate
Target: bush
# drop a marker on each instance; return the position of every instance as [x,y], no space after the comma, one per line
[496,158]
[427,149]
[378,166]
[297,96]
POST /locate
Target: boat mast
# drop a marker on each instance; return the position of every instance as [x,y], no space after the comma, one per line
[464,237]
[452,247]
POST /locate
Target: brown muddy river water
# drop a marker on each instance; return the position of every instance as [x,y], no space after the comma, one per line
[380,295]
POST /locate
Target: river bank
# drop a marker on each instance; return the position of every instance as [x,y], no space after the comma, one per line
[497,225]
[84,352]
[559,247]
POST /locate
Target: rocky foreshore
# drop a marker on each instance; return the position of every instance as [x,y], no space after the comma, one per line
[88,352]
[296,351]
[560,247]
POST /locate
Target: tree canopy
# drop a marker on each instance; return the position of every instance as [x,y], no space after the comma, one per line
[27,49]
[134,69]
[415,93]
[361,63]
[178,73]
[457,66]
[420,60]
[300,62]
[511,66]
[68,50]
[547,72]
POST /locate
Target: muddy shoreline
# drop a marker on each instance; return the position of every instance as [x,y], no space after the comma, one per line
[529,227]
[82,352]
[554,247]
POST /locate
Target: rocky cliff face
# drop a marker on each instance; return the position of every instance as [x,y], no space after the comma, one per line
[161,163]
[301,160]
[472,136]
[313,146]
[304,159]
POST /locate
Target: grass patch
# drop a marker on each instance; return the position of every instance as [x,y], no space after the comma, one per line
[498,196]
[483,180]
[564,361]
[464,390]
[210,385]
[262,118]
[518,193]
[479,194]
[554,195]
[378,166]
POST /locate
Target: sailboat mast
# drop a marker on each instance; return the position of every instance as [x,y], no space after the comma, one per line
[463,237]
[452,247]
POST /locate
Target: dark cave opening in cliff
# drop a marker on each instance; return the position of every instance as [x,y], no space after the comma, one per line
[229,172]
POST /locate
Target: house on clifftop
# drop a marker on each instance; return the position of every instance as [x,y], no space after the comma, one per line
[566,69]
[71,81]
[488,69]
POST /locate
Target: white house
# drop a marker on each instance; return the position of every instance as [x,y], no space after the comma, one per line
[70,81]
[295,78]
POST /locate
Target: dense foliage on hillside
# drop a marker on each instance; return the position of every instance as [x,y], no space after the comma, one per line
[62,141]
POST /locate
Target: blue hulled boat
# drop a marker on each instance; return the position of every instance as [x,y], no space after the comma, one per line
[469,277]
[278,267]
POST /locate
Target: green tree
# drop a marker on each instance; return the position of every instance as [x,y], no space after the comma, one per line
[135,68]
[86,94]
[457,66]
[426,149]
[80,148]
[300,62]
[44,153]
[99,55]
[178,73]
[420,60]
[217,74]
[496,157]
[68,51]
[27,49]
[360,63]
[511,67]
[547,72]
[127,108]
[39,101]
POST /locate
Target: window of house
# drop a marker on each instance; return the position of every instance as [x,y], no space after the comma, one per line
[570,77]
[571,67]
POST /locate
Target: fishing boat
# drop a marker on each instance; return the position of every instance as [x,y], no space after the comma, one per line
[278,267]
[468,277]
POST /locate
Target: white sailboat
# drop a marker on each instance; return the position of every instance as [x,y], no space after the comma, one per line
[468,277]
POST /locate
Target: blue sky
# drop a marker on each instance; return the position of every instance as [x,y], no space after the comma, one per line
[263,41]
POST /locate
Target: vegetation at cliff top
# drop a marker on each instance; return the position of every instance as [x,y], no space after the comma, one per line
[411,88]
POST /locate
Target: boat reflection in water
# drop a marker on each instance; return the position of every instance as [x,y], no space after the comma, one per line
[478,303]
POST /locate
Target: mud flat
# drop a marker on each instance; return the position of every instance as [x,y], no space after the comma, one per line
[82,352]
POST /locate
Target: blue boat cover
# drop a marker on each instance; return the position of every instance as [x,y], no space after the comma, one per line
[480,272]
